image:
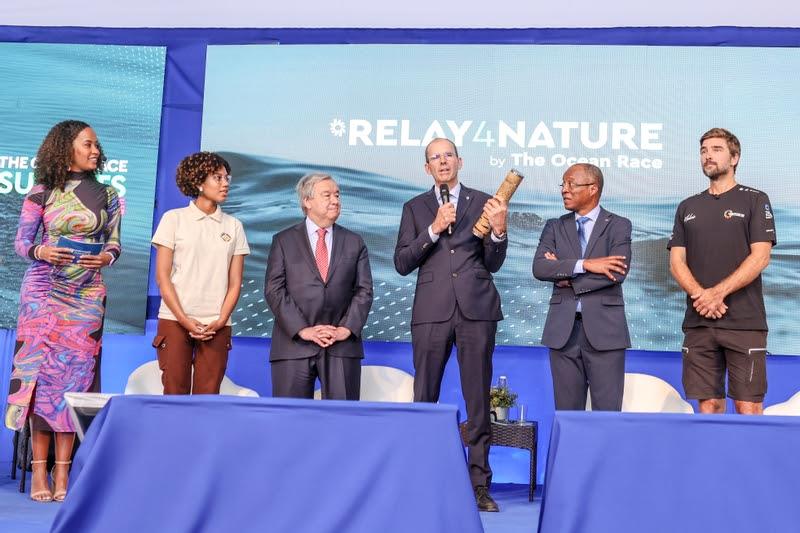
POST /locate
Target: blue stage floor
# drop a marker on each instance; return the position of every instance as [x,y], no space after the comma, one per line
[517,514]
[19,514]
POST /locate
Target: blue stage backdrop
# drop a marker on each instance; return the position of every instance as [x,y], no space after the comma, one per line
[116,89]
[364,113]
[761,112]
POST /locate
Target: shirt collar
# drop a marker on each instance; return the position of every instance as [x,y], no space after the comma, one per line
[200,215]
[311,228]
[454,192]
[593,214]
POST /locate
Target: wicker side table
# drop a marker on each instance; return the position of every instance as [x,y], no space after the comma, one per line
[514,435]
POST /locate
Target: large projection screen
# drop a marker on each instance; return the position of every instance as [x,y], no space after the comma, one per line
[364,113]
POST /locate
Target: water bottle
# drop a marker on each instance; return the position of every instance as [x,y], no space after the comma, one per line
[502,382]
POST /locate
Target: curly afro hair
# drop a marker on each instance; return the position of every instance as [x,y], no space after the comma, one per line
[55,154]
[195,168]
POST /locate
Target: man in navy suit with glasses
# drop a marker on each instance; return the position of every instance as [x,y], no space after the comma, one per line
[456,301]
[585,254]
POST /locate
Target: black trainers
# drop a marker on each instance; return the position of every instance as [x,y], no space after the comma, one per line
[484,500]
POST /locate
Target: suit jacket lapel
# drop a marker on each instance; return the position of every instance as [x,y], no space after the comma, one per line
[464,200]
[600,226]
[430,200]
[570,228]
[336,254]
[305,245]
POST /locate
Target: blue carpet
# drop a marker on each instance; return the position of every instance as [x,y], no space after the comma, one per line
[19,514]
[517,514]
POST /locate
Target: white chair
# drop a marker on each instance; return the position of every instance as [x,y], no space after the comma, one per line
[383,384]
[790,407]
[147,380]
[83,407]
[648,394]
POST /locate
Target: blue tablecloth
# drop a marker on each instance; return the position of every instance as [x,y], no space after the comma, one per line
[612,472]
[222,464]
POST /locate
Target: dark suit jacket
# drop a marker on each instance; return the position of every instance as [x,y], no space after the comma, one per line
[603,307]
[457,268]
[298,297]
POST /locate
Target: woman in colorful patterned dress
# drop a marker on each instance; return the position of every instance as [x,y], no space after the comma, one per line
[62,299]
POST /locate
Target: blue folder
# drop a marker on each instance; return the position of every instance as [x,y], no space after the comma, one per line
[79,249]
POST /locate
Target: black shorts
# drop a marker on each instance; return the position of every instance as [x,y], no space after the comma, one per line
[707,352]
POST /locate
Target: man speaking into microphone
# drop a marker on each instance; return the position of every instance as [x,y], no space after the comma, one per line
[455,301]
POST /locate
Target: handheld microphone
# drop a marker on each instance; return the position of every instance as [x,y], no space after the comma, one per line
[444,190]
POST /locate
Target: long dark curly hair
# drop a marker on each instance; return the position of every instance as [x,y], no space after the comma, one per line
[195,168]
[55,154]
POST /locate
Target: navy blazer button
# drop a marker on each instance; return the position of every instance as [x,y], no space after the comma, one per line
[452,251]
[455,275]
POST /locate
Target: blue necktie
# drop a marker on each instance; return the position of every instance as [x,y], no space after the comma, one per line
[582,233]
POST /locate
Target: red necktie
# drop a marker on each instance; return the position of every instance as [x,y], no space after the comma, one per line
[321,254]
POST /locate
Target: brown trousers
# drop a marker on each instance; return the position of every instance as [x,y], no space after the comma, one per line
[177,351]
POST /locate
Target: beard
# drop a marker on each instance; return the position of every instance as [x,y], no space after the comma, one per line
[714,172]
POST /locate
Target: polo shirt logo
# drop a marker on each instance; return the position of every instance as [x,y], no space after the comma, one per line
[767,212]
[225,237]
[690,216]
[730,214]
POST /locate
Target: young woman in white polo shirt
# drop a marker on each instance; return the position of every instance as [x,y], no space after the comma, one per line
[199,265]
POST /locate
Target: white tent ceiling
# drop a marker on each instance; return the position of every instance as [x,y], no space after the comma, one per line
[402,14]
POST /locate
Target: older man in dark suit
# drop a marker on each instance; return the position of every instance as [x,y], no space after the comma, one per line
[319,287]
[585,254]
[455,301]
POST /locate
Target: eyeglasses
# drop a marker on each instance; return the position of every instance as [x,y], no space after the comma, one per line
[571,185]
[438,157]
[219,178]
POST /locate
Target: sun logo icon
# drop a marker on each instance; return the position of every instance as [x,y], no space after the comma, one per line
[337,127]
